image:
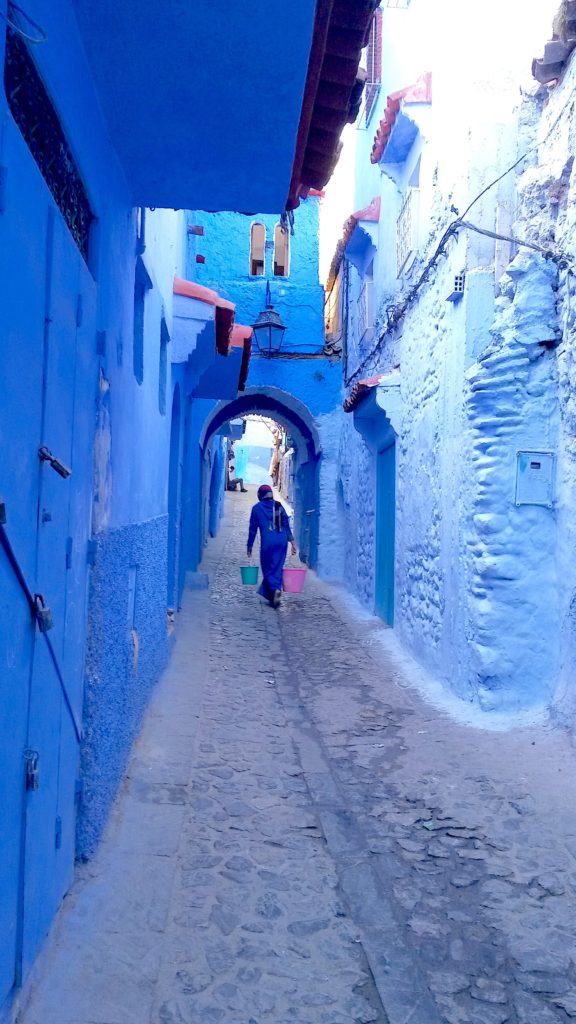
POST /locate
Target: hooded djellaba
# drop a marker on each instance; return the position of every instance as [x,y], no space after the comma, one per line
[270,517]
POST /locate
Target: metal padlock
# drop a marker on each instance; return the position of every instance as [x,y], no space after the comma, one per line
[43,614]
[32,773]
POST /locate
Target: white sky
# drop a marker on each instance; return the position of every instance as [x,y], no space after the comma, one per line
[338,203]
[440,20]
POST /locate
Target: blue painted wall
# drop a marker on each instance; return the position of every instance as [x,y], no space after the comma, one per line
[299,297]
[68,382]
[301,373]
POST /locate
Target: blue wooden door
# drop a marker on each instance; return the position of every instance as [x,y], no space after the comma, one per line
[64,512]
[385,531]
[48,371]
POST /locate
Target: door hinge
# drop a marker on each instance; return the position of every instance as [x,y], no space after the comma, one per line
[69,543]
[91,552]
[31,770]
[58,833]
[79,310]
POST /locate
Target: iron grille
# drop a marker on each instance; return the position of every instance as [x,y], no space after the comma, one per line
[365,310]
[38,122]
[407,228]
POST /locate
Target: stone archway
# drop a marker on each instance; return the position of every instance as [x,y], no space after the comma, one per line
[293,414]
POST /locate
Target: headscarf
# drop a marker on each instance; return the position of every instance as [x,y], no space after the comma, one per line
[264,491]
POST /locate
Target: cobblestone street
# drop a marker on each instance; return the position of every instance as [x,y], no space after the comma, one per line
[302,838]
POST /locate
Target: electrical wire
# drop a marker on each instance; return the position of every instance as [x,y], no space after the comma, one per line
[396,312]
[43,35]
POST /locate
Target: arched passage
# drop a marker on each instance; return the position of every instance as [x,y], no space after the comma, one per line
[292,414]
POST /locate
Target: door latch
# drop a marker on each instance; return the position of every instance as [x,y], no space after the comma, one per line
[31,770]
[43,614]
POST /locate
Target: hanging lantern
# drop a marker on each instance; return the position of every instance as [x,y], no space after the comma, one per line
[269,329]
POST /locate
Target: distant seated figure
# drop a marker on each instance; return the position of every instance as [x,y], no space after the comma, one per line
[234,480]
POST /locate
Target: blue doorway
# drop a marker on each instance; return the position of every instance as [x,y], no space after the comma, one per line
[385,533]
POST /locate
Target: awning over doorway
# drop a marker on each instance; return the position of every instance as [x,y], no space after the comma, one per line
[242,339]
[205,336]
[376,403]
[357,237]
[398,128]
[196,304]
[360,390]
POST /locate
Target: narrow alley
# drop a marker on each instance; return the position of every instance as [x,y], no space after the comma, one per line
[301,837]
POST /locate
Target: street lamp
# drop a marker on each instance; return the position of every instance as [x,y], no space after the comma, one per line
[269,329]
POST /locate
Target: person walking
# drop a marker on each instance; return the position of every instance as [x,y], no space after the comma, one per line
[270,518]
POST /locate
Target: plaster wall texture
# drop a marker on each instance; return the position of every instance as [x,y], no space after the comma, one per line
[476,579]
[313,385]
[130,523]
[546,194]
[127,650]
[511,405]
[298,297]
[331,536]
[68,378]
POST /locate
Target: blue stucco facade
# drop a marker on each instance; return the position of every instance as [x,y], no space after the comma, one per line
[298,297]
[93,374]
[69,384]
[300,387]
[127,648]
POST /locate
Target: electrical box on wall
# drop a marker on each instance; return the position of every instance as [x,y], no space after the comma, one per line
[535,478]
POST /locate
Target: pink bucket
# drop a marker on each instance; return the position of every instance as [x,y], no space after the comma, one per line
[293,580]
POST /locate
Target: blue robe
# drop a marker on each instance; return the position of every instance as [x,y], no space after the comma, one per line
[270,518]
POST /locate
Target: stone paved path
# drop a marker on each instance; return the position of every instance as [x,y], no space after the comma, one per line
[301,838]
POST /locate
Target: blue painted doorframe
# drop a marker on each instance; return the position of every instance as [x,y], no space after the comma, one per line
[385,533]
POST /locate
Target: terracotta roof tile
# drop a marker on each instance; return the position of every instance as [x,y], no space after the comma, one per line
[223,310]
[419,92]
[333,90]
[370,213]
[360,390]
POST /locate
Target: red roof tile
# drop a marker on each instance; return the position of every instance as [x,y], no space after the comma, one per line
[333,91]
[360,390]
[198,291]
[370,213]
[420,92]
[242,338]
[223,313]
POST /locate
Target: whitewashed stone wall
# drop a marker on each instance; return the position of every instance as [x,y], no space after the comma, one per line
[485,588]
[510,566]
[547,216]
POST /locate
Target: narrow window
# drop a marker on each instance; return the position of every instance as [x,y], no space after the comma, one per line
[373,59]
[257,246]
[281,251]
[163,369]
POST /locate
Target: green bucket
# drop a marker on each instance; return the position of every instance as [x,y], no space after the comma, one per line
[249,574]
